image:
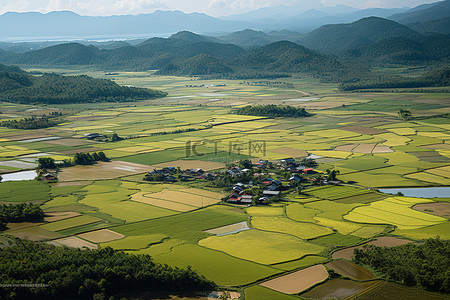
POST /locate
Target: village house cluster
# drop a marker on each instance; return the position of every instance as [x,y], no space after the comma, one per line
[259,182]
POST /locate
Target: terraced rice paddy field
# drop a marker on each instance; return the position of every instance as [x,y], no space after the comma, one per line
[279,251]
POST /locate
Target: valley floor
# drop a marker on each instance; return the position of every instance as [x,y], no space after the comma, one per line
[361,135]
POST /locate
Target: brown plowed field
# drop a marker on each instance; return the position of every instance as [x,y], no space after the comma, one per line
[298,281]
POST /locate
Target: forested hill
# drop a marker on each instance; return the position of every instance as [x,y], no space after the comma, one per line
[198,65]
[339,37]
[290,57]
[435,78]
[18,86]
[403,50]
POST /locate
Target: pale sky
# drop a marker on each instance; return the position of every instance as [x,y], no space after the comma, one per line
[211,7]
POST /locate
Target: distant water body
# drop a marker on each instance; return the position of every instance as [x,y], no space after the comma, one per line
[94,38]
[18,176]
[429,192]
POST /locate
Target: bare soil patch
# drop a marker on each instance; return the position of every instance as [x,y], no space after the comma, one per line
[364,130]
[359,148]
[191,164]
[351,270]
[73,242]
[57,216]
[441,209]
[382,149]
[384,241]
[364,148]
[298,281]
[101,236]
[102,170]
[347,148]
[69,142]
[288,151]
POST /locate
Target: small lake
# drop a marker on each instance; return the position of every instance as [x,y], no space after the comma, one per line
[428,192]
[229,229]
[17,176]
[40,139]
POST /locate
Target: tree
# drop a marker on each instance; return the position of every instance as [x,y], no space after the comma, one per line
[245,164]
[405,114]
[46,163]
[331,174]
[115,137]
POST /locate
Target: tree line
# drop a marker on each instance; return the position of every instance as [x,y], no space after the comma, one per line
[67,273]
[272,111]
[46,121]
[22,212]
[80,158]
[424,265]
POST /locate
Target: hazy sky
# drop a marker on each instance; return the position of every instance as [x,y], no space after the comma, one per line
[211,7]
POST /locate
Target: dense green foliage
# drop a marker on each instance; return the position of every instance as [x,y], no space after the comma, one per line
[201,64]
[436,26]
[32,123]
[424,265]
[81,274]
[88,158]
[22,212]
[289,57]
[403,50]
[434,78]
[46,163]
[272,111]
[57,89]
[335,38]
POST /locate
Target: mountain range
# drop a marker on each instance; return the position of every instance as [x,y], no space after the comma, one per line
[332,52]
[301,18]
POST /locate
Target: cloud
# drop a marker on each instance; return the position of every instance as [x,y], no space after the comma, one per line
[85,7]
[19,6]
[239,5]
[138,5]
[213,7]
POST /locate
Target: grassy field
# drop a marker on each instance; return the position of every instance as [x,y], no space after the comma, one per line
[396,211]
[261,247]
[233,271]
[285,225]
[24,191]
[69,223]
